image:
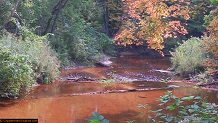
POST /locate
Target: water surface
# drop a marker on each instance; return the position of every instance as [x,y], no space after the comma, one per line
[61,101]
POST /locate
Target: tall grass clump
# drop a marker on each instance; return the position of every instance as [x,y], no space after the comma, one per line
[189,57]
[24,62]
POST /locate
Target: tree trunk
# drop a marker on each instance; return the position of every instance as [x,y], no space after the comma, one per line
[56,16]
[56,11]
[106,18]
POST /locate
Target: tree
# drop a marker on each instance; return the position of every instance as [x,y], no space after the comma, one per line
[211,41]
[151,21]
[115,12]
[198,10]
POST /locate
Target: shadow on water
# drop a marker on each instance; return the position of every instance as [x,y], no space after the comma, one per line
[61,102]
[7,103]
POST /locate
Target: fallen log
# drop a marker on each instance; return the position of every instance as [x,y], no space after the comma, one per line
[76,79]
[119,91]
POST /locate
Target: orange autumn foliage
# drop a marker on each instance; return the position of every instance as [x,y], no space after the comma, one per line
[150,21]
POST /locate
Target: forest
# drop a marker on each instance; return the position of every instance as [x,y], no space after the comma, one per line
[40,39]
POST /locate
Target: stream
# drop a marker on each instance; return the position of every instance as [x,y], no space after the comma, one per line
[137,81]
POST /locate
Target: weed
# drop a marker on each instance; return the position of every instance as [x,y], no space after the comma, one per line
[97,118]
[179,110]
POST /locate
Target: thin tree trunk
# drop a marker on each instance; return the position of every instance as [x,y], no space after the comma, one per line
[56,17]
[56,11]
[106,18]
[48,25]
[12,14]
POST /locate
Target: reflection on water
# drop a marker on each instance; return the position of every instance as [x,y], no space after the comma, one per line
[52,103]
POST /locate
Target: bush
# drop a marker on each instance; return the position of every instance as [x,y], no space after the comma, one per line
[189,57]
[15,74]
[24,62]
[45,65]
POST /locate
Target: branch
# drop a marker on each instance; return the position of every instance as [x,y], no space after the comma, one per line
[56,10]
[12,14]
[57,14]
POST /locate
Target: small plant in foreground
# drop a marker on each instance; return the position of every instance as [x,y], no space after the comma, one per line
[97,118]
[165,80]
[190,109]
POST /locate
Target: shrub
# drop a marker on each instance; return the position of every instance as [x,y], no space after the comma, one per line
[15,74]
[189,57]
[45,65]
[24,62]
[44,62]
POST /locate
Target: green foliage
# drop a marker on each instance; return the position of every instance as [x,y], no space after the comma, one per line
[214,2]
[78,35]
[97,118]
[190,109]
[170,44]
[5,8]
[24,62]
[189,57]
[208,18]
[35,13]
[45,64]
[195,25]
[79,43]
[77,26]
[16,73]
[115,11]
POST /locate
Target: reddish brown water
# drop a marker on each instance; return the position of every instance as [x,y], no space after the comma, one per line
[56,103]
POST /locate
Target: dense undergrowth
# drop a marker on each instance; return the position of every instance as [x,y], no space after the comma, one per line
[25,62]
